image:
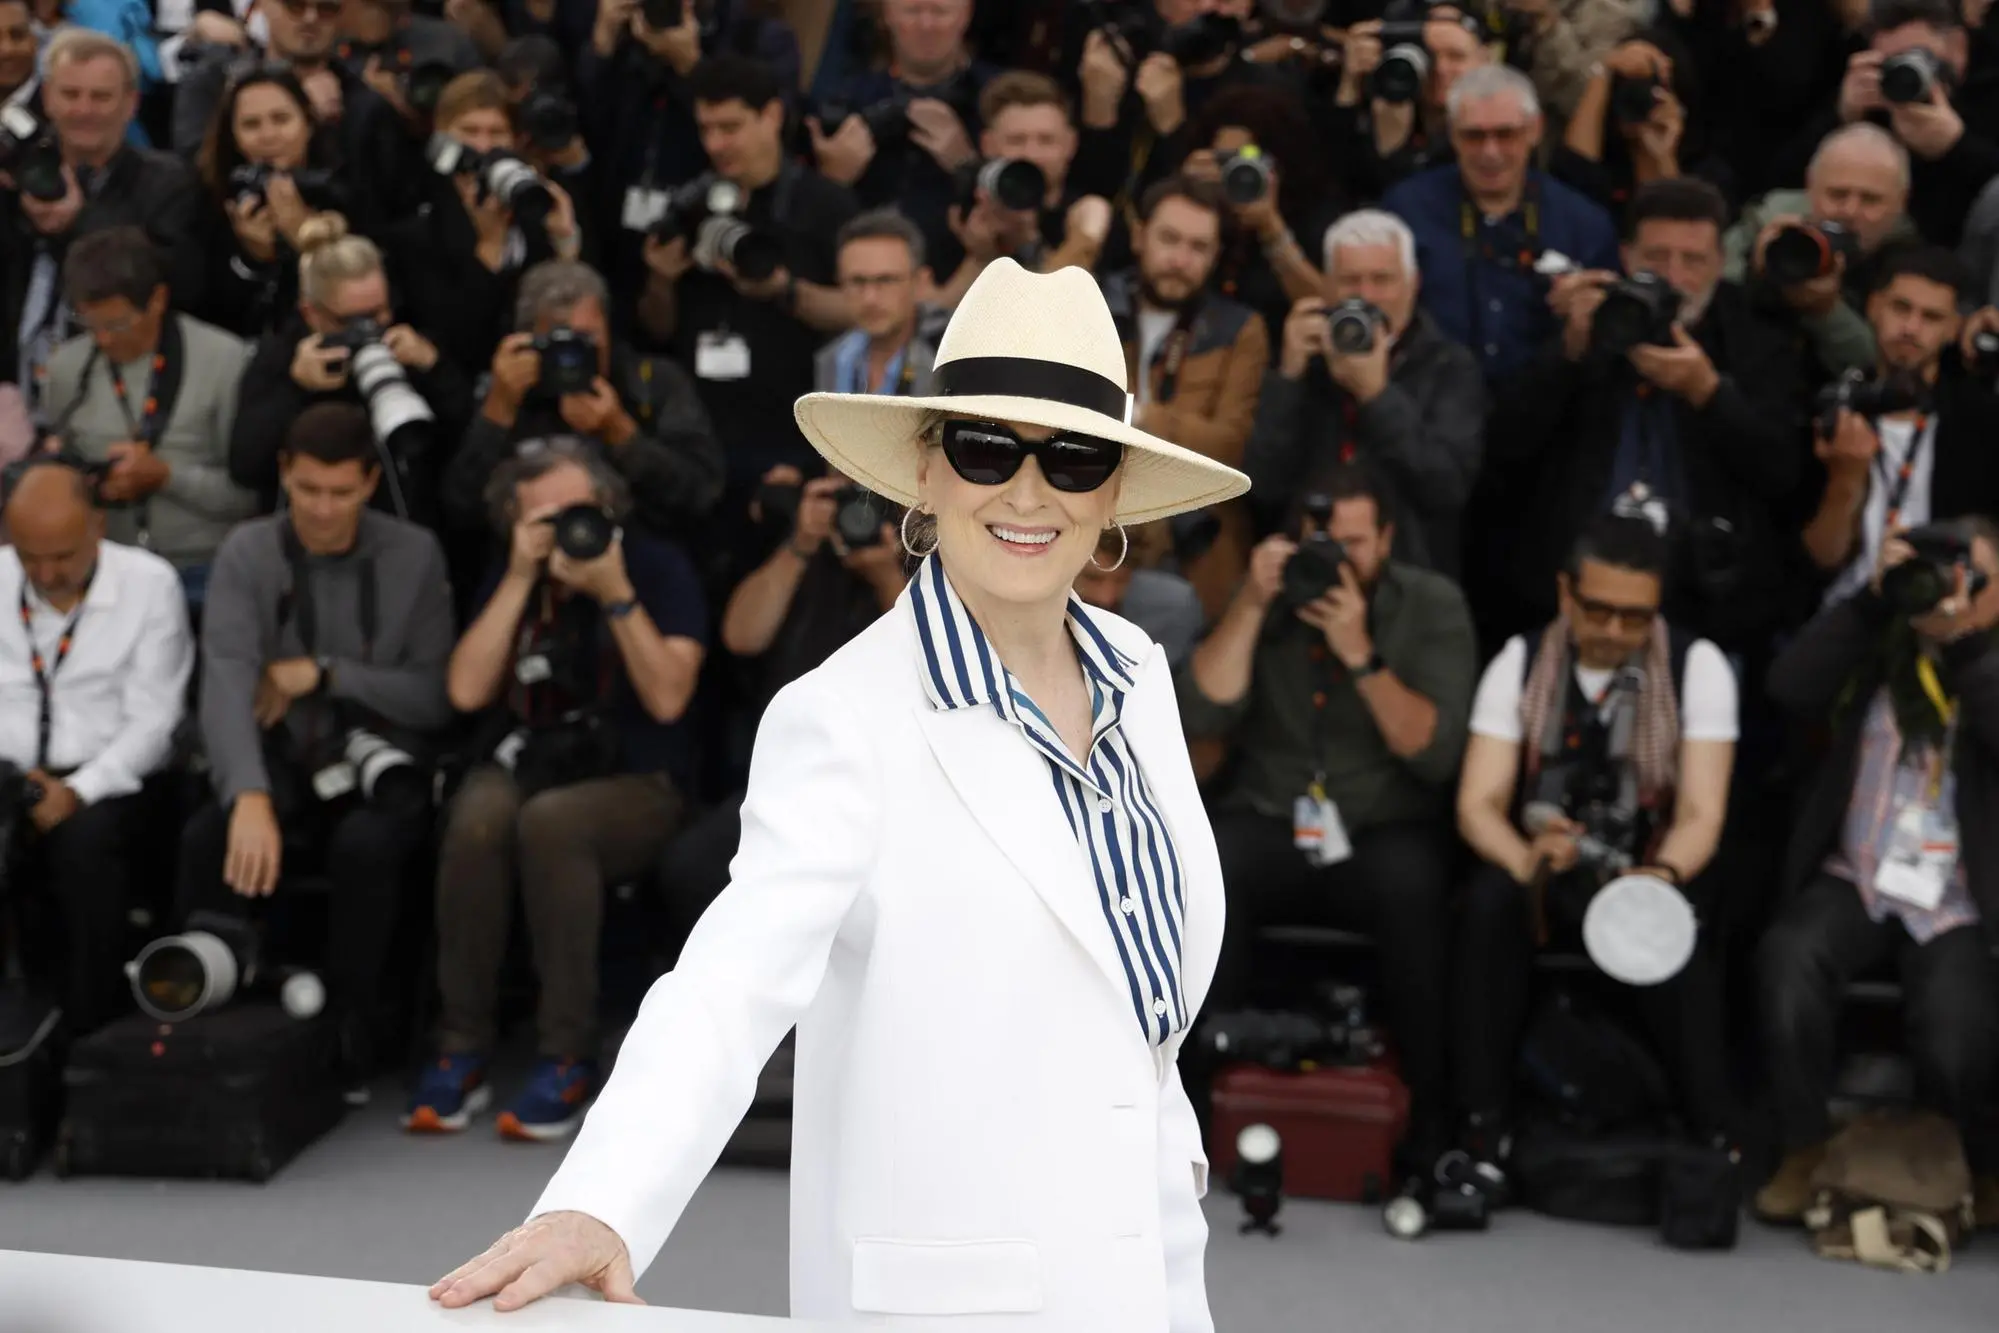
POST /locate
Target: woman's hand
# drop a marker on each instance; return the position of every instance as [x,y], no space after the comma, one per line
[287,207]
[317,368]
[531,1261]
[563,232]
[410,348]
[256,230]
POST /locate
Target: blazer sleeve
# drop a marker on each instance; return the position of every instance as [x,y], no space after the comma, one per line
[688,1068]
[1183,1227]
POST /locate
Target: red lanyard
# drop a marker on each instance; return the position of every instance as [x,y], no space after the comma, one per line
[1900,490]
[45,672]
[144,428]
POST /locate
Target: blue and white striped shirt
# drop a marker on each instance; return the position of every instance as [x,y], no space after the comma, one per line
[1118,825]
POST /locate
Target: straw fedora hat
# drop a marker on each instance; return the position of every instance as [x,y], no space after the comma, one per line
[1024,347]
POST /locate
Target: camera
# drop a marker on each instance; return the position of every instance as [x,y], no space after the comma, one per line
[1983,363]
[501,176]
[1918,584]
[1452,1197]
[663,15]
[1405,61]
[857,519]
[549,120]
[1245,175]
[1353,325]
[401,419]
[887,120]
[1857,392]
[1313,569]
[30,154]
[705,211]
[1637,311]
[197,971]
[1201,40]
[568,361]
[1300,18]
[1912,75]
[18,794]
[251,181]
[583,531]
[1289,1041]
[1632,100]
[1600,843]
[1802,251]
[384,772]
[1012,183]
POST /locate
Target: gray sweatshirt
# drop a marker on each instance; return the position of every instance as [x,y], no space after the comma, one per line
[402,679]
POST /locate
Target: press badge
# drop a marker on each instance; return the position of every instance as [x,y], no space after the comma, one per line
[507,753]
[1316,829]
[721,356]
[643,207]
[334,781]
[533,669]
[1921,858]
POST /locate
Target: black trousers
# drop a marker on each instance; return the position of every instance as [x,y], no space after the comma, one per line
[1395,887]
[76,883]
[695,868]
[1495,973]
[1821,940]
[367,859]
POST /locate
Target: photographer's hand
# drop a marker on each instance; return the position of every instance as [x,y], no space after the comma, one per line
[322,87]
[1963,612]
[1305,336]
[936,129]
[880,564]
[816,508]
[1159,86]
[1366,375]
[613,18]
[256,847]
[293,677]
[1894,551]
[598,413]
[842,156]
[1985,320]
[136,471]
[1265,578]
[317,368]
[1851,450]
[1556,846]
[668,259]
[1341,615]
[256,230]
[516,368]
[604,578]
[1362,56]
[409,347]
[388,87]
[679,47]
[768,289]
[565,235]
[1929,129]
[54,217]
[1103,75]
[287,207]
[58,801]
[1682,369]
[533,541]
[1860,90]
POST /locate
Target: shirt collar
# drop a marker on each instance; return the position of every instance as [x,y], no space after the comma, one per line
[960,668]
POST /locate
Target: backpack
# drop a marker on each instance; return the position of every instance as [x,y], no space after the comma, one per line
[1894,1191]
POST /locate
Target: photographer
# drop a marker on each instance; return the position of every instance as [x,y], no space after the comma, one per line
[1384,128]
[264,155]
[486,219]
[1198,362]
[1918,451]
[396,50]
[1919,51]
[893,343]
[150,395]
[1409,400]
[1640,119]
[1341,678]
[564,373]
[1829,238]
[1668,394]
[1886,860]
[323,652]
[1566,43]
[91,689]
[1482,224]
[750,341]
[587,647]
[343,311]
[90,90]
[1622,729]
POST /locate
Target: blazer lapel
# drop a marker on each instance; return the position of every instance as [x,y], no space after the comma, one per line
[1008,789]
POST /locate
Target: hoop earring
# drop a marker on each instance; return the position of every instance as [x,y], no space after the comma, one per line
[909,545]
[1124,549]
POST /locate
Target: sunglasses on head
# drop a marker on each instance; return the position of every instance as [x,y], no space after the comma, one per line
[987,453]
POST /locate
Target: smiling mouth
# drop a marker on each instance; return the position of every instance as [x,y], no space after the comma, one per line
[1022,541]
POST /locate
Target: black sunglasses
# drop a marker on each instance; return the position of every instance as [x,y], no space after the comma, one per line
[986,453]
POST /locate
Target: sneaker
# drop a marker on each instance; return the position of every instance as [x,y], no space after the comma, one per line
[449,1092]
[1784,1200]
[551,1106]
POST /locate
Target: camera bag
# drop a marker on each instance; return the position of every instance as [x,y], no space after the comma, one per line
[1588,1071]
[1611,1179]
[30,1078]
[1339,1124]
[1700,1197]
[235,1094]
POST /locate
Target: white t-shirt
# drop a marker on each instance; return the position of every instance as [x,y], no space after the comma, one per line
[1707,693]
[1897,438]
[1153,326]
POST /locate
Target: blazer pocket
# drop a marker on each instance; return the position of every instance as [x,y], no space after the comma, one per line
[941,1277]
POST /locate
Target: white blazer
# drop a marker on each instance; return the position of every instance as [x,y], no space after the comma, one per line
[980,1127]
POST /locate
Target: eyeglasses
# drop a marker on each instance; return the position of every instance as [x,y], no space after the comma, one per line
[112,328]
[861,282]
[986,453]
[1499,136]
[326,9]
[1600,614]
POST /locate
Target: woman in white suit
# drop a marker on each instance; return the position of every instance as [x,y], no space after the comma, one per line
[974,872]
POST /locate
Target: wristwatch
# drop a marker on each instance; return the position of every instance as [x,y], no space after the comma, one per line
[1369,667]
[619,610]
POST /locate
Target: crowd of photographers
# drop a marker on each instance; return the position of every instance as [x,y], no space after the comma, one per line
[444,362]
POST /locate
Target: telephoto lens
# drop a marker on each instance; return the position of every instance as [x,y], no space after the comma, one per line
[1011,182]
[1404,66]
[1245,175]
[402,420]
[384,772]
[754,254]
[1919,584]
[1800,252]
[1909,76]
[1352,326]
[199,970]
[583,531]
[515,184]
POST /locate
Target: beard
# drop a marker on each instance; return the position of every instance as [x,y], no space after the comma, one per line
[1149,292]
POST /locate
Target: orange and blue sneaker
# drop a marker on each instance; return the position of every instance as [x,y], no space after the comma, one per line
[551,1105]
[448,1093]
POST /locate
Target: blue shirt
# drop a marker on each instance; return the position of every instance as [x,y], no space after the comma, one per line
[1135,871]
[1477,288]
[850,366]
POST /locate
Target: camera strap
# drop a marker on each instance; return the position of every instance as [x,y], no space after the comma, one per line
[163,380]
[45,670]
[1476,250]
[1172,353]
[299,606]
[1898,487]
[533,700]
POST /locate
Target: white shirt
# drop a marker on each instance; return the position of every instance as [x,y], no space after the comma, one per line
[1707,693]
[1153,326]
[1897,438]
[118,695]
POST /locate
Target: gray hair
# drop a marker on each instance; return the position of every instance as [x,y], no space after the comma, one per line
[534,459]
[556,285]
[1488,81]
[1373,226]
[882,224]
[1863,134]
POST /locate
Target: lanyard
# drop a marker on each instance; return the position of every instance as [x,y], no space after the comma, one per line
[45,672]
[144,428]
[1899,488]
[1476,250]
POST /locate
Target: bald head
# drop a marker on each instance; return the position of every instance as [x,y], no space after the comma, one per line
[55,528]
[1859,178]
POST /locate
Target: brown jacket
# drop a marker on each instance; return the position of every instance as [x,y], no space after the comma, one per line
[1209,408]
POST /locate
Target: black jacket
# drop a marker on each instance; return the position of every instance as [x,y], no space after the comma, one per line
[673,465]
[1554,436]
[1833,667]
[1426,432]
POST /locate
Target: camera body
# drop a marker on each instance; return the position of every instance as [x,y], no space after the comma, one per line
[251,181]
[1012,183]
[1405,61]
[1632,100]
[1800,252]
[501,175]
[1353,325]
[568,361]
[1918,584]
[707,212]
[1636,311]
[857,517]
[1288,1041]
[663,15]
[1200,40]
[583,532]
[30,154]
[1313,569]
[549,119]
[355,334]
[1913,75]
[1245,175]
[419,80]
[1865,395]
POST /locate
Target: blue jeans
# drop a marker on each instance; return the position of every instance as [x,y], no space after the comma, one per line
[194,583]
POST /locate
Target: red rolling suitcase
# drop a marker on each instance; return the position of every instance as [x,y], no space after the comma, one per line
[1340,1125]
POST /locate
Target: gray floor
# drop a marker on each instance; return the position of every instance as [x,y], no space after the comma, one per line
[368,1202]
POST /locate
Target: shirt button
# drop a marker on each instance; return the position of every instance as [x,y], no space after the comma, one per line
[1127,906]
[1158,1006]
[1103,805]
[1492,349]
[1495,307]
